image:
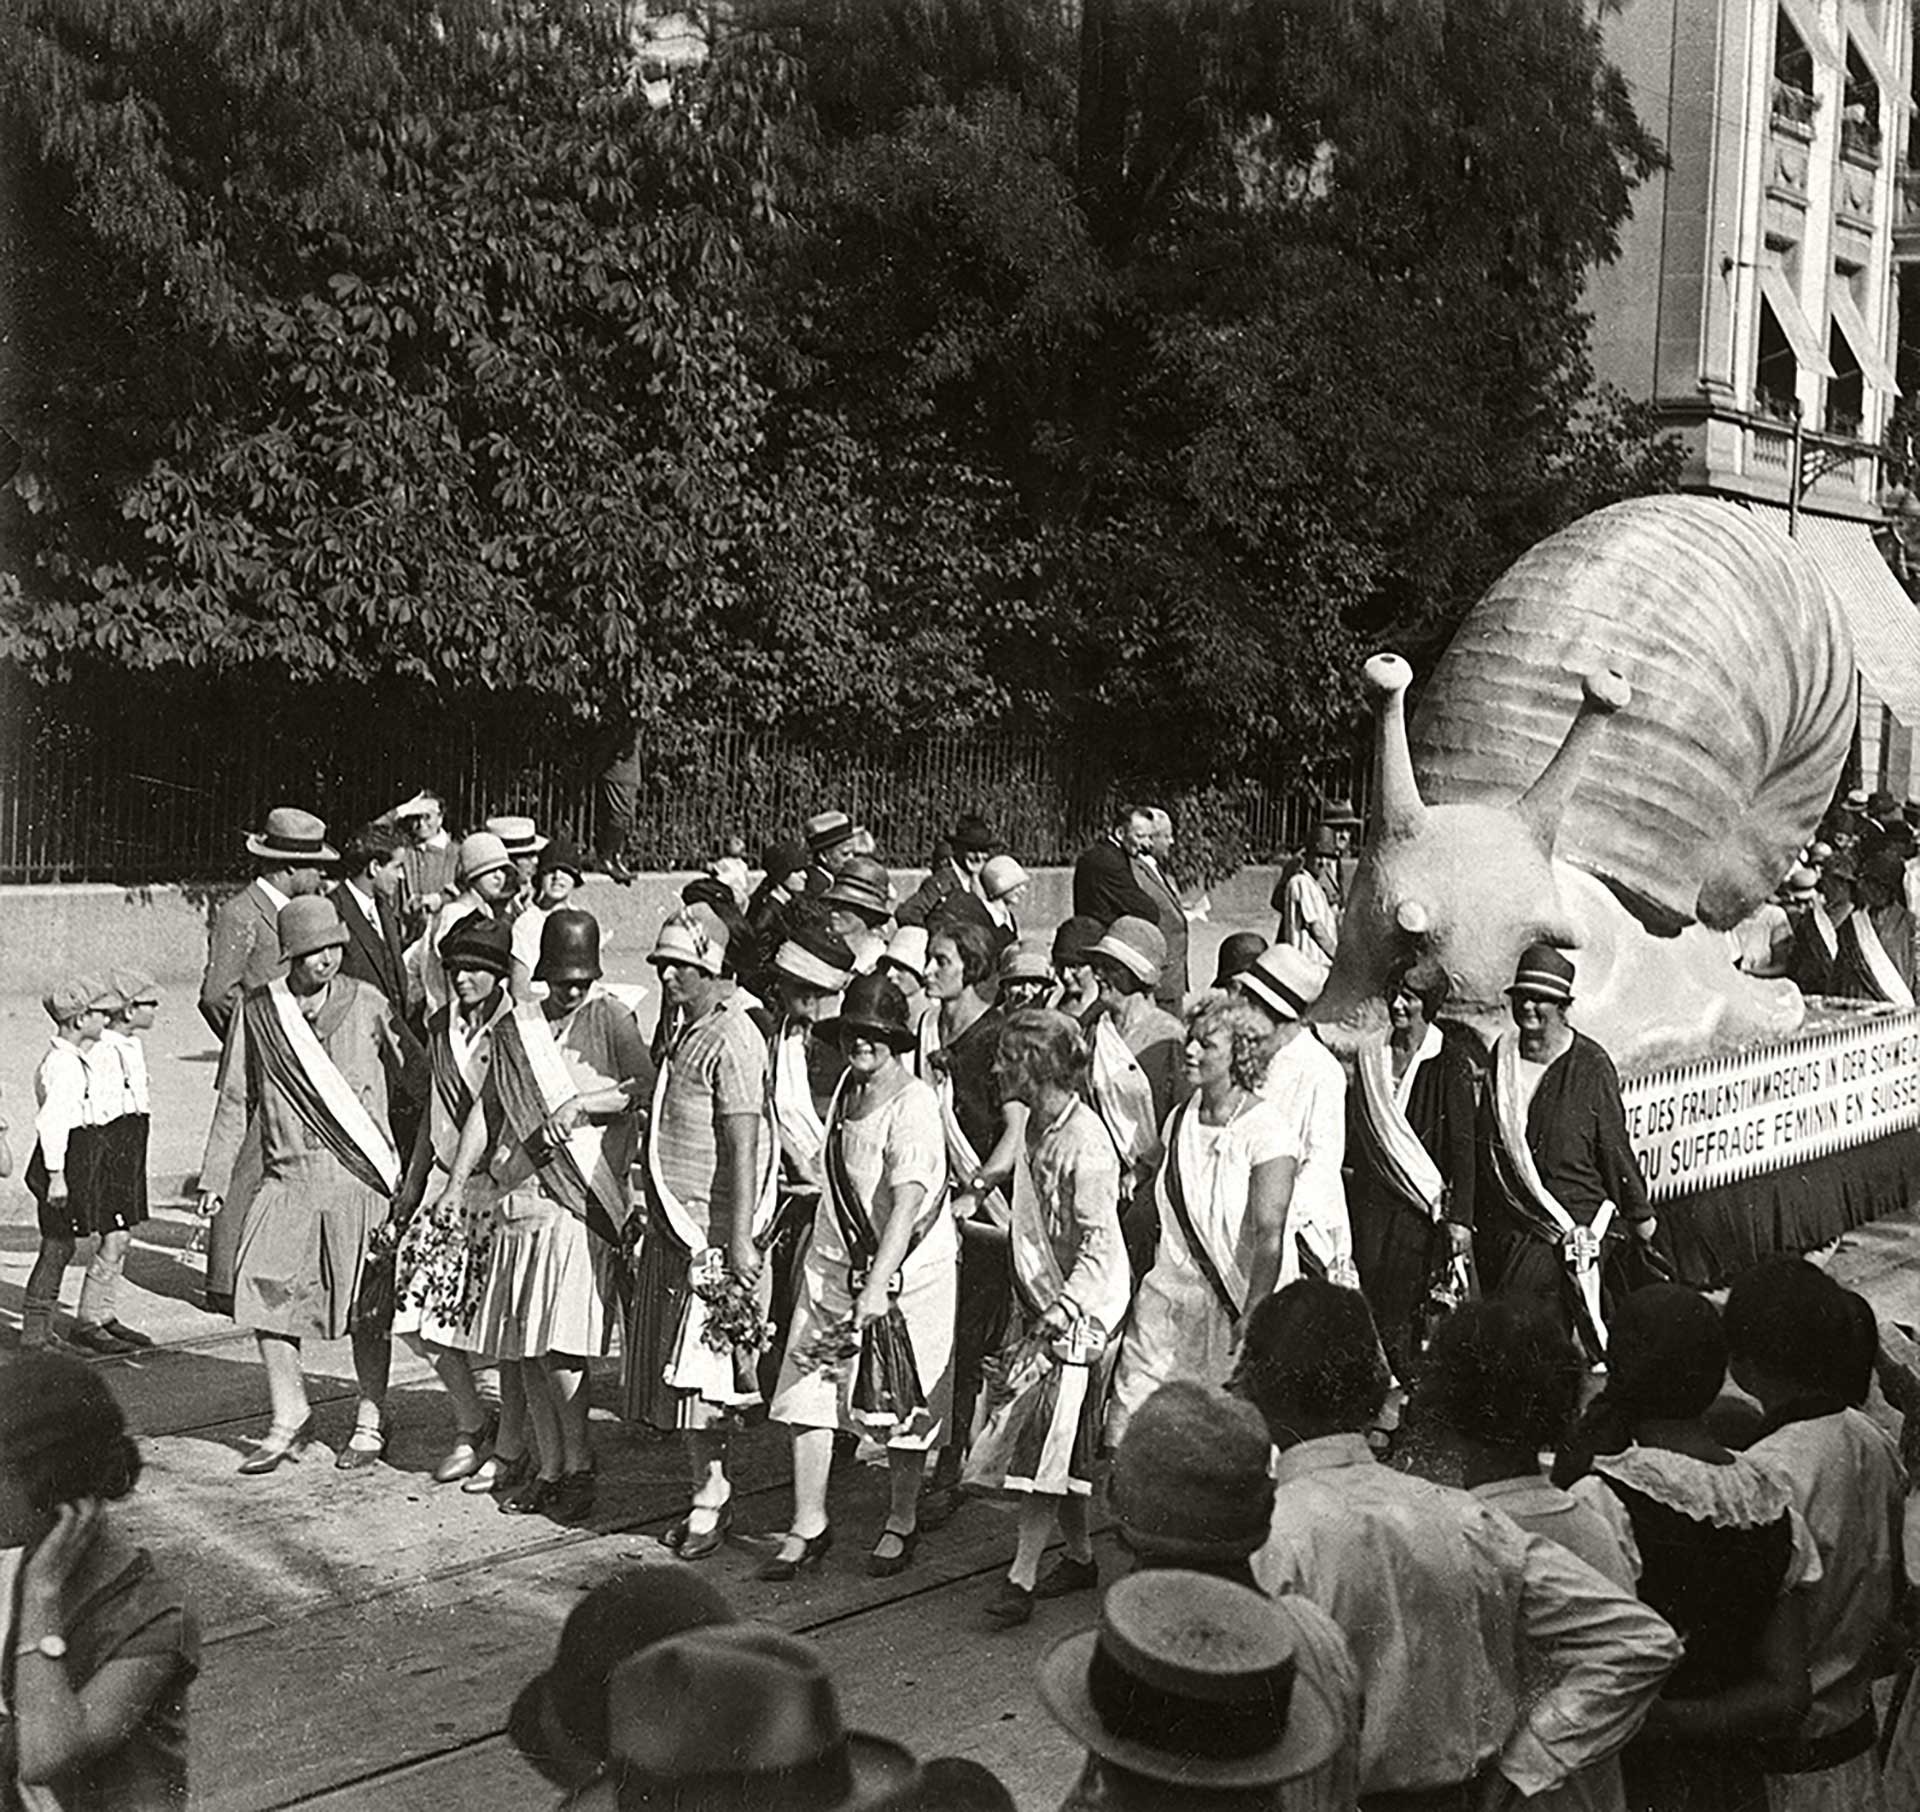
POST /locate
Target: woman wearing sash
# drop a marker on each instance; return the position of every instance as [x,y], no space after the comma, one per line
[1040,1418]
[1410,1138]
[871,1350]
[445,1240]
[316,1058]
[1222,1192]
[1874,944]
[555,1128]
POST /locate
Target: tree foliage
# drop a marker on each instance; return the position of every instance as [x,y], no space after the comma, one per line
[1130,368]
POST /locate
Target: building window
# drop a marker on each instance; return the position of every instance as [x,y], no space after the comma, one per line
[1846,389]
[1793,101]
[1777,376]
[1860,111]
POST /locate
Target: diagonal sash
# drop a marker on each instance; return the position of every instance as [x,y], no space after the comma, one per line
[963,1162]
[1399,1155]
[668,1207]
[1877,965]
[291,1052]
[1579,1245]
[458,1063]
[1124,1099]
[532,1082]
[797,1123]
[1824,929]
[1173,1191]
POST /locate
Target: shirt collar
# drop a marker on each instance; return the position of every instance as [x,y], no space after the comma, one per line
[275,898]
[365,901]
[1325,1453]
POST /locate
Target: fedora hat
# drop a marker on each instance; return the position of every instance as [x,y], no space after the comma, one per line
[481,853]
[826,829]
[292,836]
[741,1718]
[1282,979]
[1001,876]
[1543,973]
[479,941]
[518,834]
[1339,814]
[1193,1680]
[1137,946]
[907,949]
[873,1004]
[569,947]
[696,935]
[815,958]
[308,924]
[863,884]
[973,833]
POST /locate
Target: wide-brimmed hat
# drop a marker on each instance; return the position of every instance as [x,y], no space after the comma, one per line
[736,1718]
[1239,951]
[520,835]
[874,1005]
[1194,1680]
[696,935]
[308,924]
[416,807]
[1026,960]
[558,856]
[1339,814]
[1542,973]
[482,853]
[569,947]
[1282,979]
[1855,801]
[1001,876]
[864,885]
[559,1720]
[907,949]
[292,836]
[1190,1481]
[1137,946]
[826,829]
[479,941]
[973,833]
[815,958]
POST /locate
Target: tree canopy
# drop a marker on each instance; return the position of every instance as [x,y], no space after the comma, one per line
[1129,368]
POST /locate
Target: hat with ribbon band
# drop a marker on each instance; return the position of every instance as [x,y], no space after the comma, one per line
[816,959]
[293,837]
[1283,980]
[1543,973]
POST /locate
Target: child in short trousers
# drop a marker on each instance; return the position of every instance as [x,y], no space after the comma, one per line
[119,1063]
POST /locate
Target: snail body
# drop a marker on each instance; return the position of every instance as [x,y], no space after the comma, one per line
[1621,753]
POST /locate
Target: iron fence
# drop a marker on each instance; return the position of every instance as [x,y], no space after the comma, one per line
[140,784]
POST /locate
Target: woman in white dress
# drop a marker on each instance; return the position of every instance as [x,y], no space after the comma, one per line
[1222,1193]
[871,1349]
[444,1239]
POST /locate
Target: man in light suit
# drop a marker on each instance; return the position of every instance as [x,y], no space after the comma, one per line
[243,948]
[1150,852]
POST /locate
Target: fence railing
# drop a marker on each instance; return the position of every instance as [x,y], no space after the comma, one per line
[148,784]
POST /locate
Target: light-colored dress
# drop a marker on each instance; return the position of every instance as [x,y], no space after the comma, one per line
[1180,1328]
[1038,1424]
[550,1279]
[1305,1081]
[890,1149]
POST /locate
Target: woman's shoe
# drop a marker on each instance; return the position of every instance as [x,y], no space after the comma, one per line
[1010,1607]
[469,1453]
[693,1546]
[530,1499]
[904,1542]
[813,1550]
[365,1448]
[497,1472]
[278,1447]
[571,1500]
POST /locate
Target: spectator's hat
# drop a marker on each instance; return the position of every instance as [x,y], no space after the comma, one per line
[1323,842]
[907,949]
[973,834]
[308,924]
[54,1402]
[416,807]
[1026,960]
[1339,814]
[518,834]
[1801,883]
[826,830]
[1819,853]
[737,1718]
[1190,1481]
[815,958]
[1073,942]
[1001,876]
[481,852]
[1192,1680]
[873,1005]
[136,987]
[732,874]
[479,941]
[559,1721]
[292,836]
[1883,805]
[783,859]
[695,935]
[1885,868]
[569,947]
[863,884]
[1283,980]
[65,1001]
[1239,951]
[1138,947]
[558,856]
[1855,801]
[1543,973]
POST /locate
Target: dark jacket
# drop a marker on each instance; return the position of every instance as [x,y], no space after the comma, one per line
[375,953]
[1104,887]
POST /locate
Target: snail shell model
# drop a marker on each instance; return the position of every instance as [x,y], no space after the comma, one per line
[1621,752]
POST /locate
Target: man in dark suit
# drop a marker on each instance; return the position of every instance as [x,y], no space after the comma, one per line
[367,900]
[1104,884]
[243,946]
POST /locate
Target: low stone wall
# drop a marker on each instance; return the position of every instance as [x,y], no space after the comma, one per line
[50,931]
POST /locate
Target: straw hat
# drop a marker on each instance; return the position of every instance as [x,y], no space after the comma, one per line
[518,834]
[815,958]
[826,830]
[1283,980]
[292,836]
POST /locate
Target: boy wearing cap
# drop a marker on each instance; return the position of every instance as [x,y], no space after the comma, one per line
[119,1064]
[1558,1179]
[63,1173]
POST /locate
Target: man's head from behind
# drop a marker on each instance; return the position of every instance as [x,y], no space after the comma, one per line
[1505,1382]
[1794,1333]
[1311,1364]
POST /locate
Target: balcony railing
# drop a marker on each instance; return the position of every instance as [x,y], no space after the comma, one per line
[1794,108]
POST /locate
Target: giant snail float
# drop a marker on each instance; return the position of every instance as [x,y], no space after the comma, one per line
[1622,751]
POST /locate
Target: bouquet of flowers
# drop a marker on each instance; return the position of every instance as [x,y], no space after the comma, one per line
[829,1347]
[733,1321]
